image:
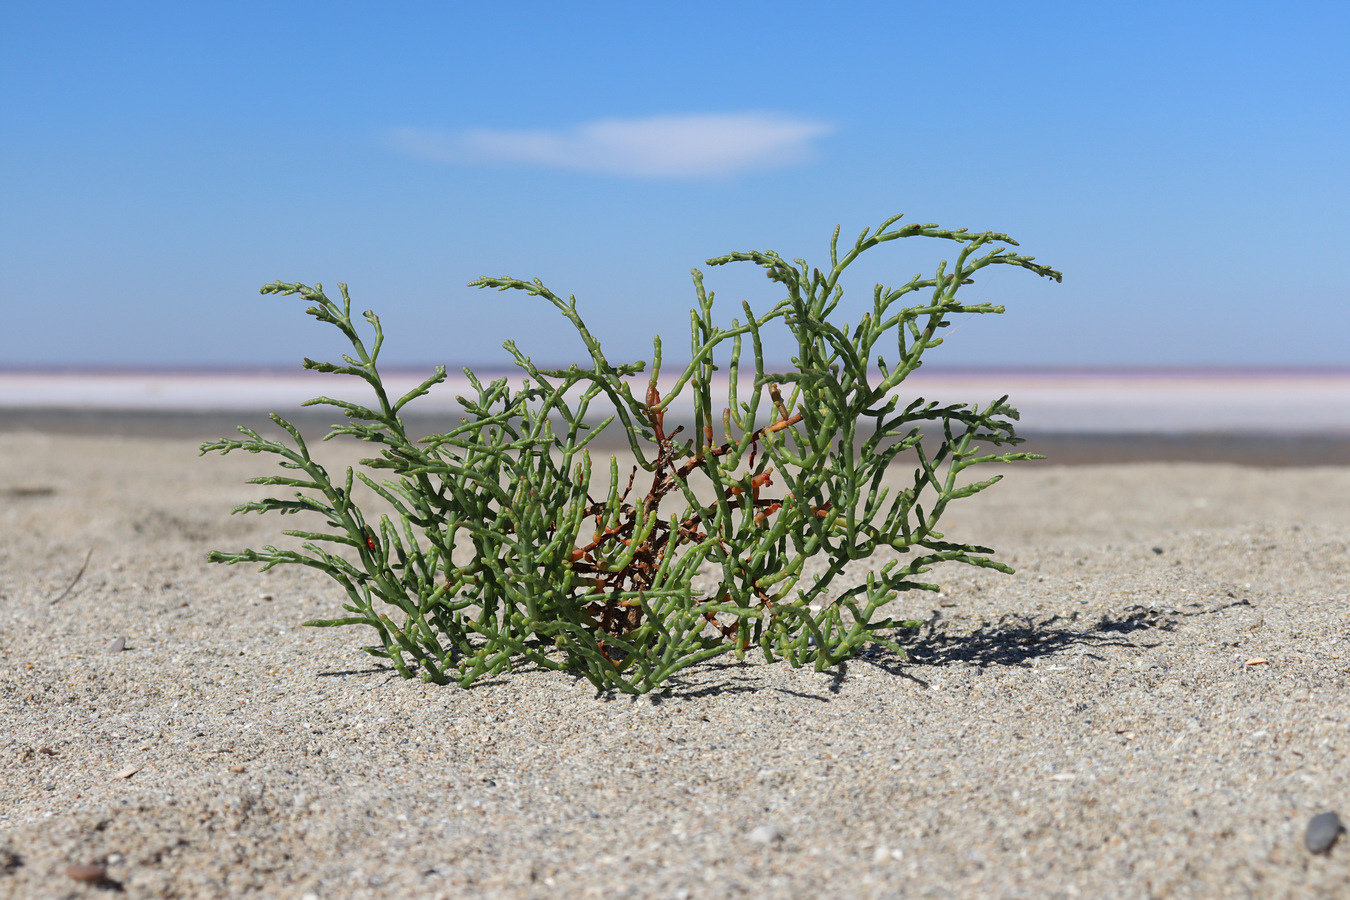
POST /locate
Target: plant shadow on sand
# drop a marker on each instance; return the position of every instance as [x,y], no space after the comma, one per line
[1017,640]
[1012,640]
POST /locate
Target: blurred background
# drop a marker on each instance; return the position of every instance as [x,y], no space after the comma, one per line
[1184,165]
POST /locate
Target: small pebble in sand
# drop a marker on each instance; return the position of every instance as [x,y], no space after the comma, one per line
[765,834]
[116,645]
[1323,830]
[88,874]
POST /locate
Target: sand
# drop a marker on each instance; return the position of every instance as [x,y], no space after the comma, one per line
[1155,705]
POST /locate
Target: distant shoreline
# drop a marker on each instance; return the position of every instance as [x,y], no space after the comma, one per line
[1245,448]
[1286,402]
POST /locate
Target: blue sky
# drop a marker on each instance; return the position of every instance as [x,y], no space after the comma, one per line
[1184,164]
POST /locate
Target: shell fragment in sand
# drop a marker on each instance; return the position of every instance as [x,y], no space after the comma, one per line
[90,874]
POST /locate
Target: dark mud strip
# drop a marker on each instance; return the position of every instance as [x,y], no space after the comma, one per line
[1262,449]
[1249,449]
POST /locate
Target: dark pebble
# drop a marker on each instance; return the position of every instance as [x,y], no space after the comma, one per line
[1323,830]
[1158,550]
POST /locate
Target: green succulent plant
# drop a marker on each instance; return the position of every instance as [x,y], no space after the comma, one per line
[502,545]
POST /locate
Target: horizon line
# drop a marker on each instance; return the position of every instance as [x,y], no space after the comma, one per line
[1070,369]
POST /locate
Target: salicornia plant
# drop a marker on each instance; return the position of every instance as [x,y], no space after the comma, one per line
[501,547]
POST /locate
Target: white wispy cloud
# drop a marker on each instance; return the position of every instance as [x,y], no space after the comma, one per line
[676,146]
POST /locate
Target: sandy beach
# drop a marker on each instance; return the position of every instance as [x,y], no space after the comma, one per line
[1155,705]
